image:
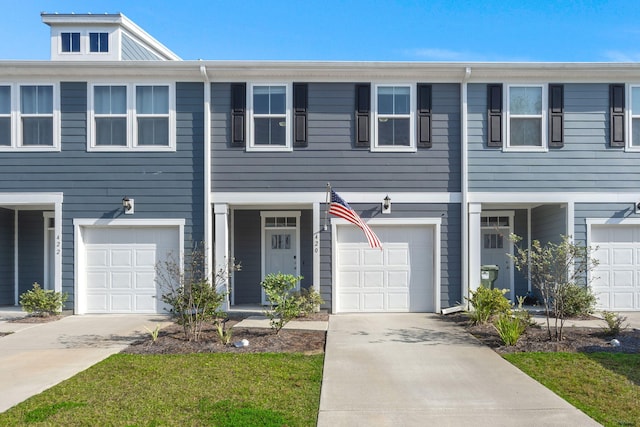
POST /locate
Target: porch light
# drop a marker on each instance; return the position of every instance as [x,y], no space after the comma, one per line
[127,205]
[386,205]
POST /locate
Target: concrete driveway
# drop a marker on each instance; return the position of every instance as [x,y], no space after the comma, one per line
[419,370]
[35,357]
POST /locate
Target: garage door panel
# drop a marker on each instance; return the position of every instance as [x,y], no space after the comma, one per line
[121,258]
[121,303]
[349,256]
[145,280]
[622,300]
[97,257]
[349,302]
[97,303]
[350,279]
[373,279]
[122,280]
[398,279]
[623,278]
[97,280]
[373,301]
[372,257]
[622,256]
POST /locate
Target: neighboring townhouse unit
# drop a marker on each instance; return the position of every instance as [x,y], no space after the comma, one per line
[117,154]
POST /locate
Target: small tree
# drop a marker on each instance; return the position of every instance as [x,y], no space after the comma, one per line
[554,269]
[190,294]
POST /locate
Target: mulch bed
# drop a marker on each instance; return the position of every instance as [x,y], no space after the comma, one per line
[36,319]
[536,339]
[261,340]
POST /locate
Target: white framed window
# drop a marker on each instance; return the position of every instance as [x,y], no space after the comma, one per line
[269,108]
[526,118]
[394,118]
[29,117]
[137,117]
[98,42]
[70,42]
[633,143]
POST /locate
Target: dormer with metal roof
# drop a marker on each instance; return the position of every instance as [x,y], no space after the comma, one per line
[106,37]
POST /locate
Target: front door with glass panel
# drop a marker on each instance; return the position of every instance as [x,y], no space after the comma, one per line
[280,247]
[495,247]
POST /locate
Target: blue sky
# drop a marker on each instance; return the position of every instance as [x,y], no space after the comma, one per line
[427,30]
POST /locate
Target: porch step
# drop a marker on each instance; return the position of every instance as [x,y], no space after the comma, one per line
[263,322]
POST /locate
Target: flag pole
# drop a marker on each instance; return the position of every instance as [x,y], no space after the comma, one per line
[326,207]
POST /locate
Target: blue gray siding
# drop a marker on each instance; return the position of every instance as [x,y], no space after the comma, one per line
[584,211]
[585,163]
[30,250]
[7,285]
[331,155]
[549,223]
[450,247]
[164,185]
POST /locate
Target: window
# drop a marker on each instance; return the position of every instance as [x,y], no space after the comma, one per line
[635,117]
[132,117]
[99,42]
[5,116]
[70,42]
[36,115]
[270,109]
[152,111]
[110,109]
[394,114]
[526,117]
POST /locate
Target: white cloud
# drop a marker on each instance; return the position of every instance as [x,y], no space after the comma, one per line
[618,56]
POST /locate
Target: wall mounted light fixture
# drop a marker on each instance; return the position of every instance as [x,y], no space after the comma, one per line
[637,207]
[386,205]
[127,205]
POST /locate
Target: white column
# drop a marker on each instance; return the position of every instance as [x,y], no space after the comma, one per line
[316,246]
[57,286]
[475,240]
[221,249]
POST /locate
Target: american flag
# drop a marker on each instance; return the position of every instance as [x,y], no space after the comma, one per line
[341,209]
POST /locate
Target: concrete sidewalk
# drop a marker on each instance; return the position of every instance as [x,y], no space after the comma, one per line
[418,369]
[37,356]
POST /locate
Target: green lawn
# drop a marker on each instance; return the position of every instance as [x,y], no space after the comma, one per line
[604,386]
[194,389]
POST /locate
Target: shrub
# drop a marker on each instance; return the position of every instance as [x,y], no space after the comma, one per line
[40,302]
[615,323]
[284,305]
[488,303]
[576,301]
[509,328]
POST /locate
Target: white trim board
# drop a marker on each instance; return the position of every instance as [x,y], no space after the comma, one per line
[553,197]
[299,198]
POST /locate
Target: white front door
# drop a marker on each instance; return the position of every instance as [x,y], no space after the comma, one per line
[280,252]
[496,246]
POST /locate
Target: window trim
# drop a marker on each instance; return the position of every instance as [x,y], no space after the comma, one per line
[630,116]
[16,118]
[99,52]
[251,146]
[131,118]
[544,137]
[375,147]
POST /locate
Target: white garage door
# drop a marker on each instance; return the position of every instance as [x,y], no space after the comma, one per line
[397,279]
[617,277]
[120,267]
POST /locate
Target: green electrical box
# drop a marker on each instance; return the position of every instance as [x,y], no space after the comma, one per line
[488,275]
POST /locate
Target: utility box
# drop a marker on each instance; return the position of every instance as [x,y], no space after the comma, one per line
[488,275]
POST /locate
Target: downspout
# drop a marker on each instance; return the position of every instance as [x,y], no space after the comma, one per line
[208,222]
[465,188]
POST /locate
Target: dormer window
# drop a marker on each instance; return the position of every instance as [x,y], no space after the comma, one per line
[70,42]
[99,42]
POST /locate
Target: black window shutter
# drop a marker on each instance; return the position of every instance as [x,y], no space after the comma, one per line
[494,115]
[363,114]
[616,113]
[424,115]
[238,114]
[556,116]
[300,102]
